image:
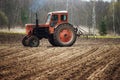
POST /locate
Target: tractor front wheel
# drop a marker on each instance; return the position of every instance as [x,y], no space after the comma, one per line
[65,35]
[33,41]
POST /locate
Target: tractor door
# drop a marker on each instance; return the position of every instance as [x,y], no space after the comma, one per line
[54,20]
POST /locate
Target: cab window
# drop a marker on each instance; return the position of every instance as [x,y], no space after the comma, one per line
[48,18]
[55,18]
[63,17]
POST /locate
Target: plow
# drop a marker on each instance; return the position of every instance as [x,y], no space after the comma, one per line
[57,30]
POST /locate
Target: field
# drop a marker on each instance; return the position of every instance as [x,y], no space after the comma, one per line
[87,59]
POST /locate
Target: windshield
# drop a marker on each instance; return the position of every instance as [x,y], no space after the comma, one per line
[48,18]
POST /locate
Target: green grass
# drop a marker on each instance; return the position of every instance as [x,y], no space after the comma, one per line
[12,33]
[104,37]
[99,37]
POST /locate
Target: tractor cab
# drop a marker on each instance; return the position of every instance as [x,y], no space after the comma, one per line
[57,17]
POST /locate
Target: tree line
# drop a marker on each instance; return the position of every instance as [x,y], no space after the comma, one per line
[19,12]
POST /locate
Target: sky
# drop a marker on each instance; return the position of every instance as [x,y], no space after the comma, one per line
[103,0]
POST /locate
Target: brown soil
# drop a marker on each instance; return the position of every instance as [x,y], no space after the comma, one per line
[87,59]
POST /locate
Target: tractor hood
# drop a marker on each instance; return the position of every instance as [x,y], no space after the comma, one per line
[29,27]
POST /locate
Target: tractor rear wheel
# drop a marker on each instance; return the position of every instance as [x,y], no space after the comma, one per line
[33,41]
[65,35]
[51,40]
[24,41]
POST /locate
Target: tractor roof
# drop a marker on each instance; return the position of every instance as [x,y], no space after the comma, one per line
[55,12]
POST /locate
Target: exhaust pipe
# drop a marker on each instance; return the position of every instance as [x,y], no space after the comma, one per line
[36,20]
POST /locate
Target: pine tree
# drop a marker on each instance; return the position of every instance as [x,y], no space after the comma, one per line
[102,28]
[3,18]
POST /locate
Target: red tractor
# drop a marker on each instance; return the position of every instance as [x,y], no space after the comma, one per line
[56,29]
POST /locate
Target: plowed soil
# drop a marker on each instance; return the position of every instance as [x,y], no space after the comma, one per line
[87,59]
